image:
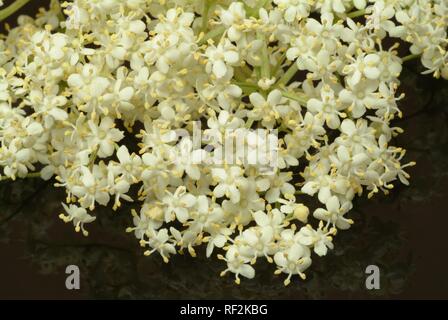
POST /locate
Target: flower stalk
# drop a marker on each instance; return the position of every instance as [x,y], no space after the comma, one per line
[410,57]
[357,13]
[13,8]
[265,63]
[28,176]
[289,74]
[205,13]
[212,34]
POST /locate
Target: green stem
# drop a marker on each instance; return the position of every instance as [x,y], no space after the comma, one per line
[356,13]
[205,12]
[263,4]
[289,74]
[55,5]
[239,74]
[247,87]
[297,96]
[29,175]
[249,123]
[257,71]
[265,63]
[212,34]
[93,158]
[246,70]
[14,7]
[410,57]
[253,12]
[245,84]
[279,64]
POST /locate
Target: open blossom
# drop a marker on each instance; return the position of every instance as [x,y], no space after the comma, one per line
[77,215]
[229,183]
[177,204]
[364,67]
[220,58]
[327,107]
[327,30]
[294,9]
[103,137]
[297,100]
[91,188]
[360,98]
[232,18]
[88,83]
[334,213]
[294,260]
[269,110]
[159,241]
[320,239]
[237,264]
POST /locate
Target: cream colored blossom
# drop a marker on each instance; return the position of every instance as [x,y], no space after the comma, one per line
[217,119]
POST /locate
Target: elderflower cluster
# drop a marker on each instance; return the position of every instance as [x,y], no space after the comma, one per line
[94,94]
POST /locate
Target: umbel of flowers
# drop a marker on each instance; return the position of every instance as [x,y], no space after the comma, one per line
[80,80]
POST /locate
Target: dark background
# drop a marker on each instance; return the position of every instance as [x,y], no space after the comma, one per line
[403,233]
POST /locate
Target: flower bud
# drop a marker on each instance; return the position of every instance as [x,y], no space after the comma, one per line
[301,213]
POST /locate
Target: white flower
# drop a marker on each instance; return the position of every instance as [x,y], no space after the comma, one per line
[50,105]
[319,239]
[220,57]
[294,260]
[177,205]
[257,242]
[265,83]
[298,210]
[276,185]
[141,223]
[230,181]
[91,188]
[78,216]
[334,213]
[347,163]
[268,109]
[159,241]
[188,160]
[360,98]
[381,16]
[104,136]
[328,107]
[219,92]
[368,66]
[221,126]
[241,212]
[325,30]
[129,166]
[208,218]
[293,93]
[294,9]
[88,84]
[232,18]
[237,264]
[120,98]
[273,219]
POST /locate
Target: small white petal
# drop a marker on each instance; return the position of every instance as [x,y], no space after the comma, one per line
[219,69]
[231,57]
[333,204]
